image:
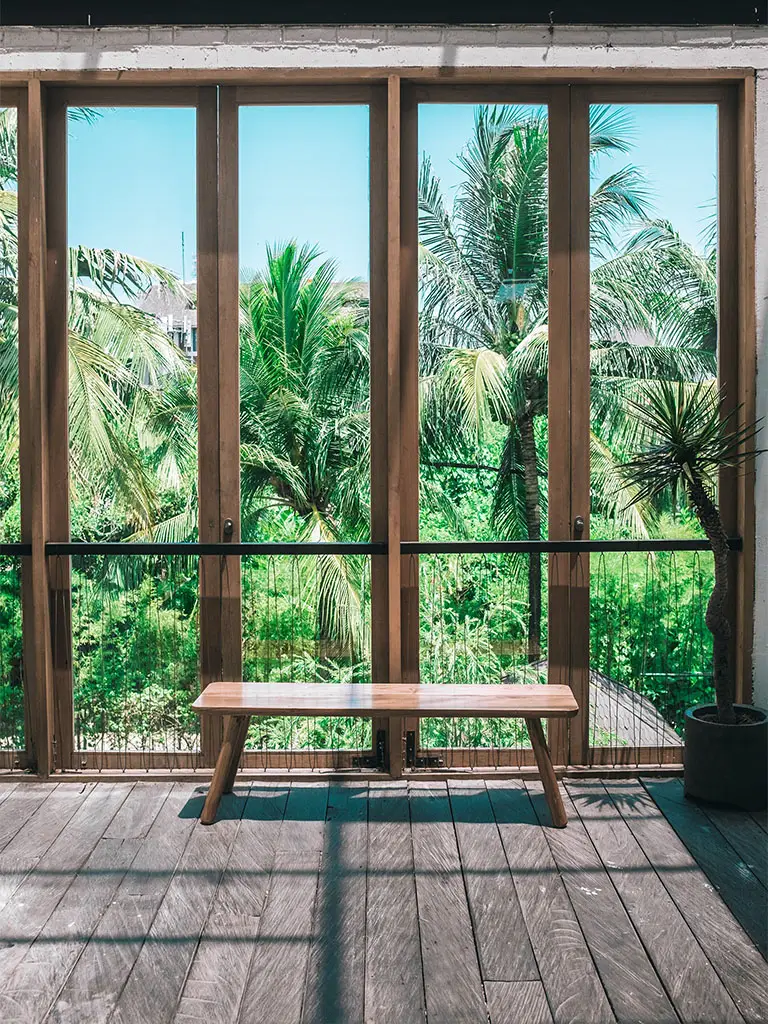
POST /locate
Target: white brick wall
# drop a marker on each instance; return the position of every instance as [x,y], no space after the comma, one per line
[377,46]
[402,46]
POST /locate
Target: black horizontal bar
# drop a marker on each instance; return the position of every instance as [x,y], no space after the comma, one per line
[532,547]
[194,549]
[15,549]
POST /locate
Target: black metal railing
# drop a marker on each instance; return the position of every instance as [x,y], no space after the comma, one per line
[134,642]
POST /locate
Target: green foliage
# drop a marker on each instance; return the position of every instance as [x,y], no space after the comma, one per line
[11,676]
[690,436]
[305,455]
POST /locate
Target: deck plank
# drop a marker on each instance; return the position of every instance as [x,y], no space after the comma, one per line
[154,986]
[36,981]
[394,983]
[19,806]
[736,959]
[452,981]
[275,986]
[630,982]
[720,861]
[136,817]
[217,977]
[32,842]
[335,985]
[98,977]
[693,985]
[6,788]
[503,946]
[743,833]
[28,843]
[574,990]
[35,900]
[517,1002]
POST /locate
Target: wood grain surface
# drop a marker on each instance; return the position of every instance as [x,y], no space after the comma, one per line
[350,699]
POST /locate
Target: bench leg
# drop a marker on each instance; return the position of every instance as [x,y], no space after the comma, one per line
[546,772]
[226,766]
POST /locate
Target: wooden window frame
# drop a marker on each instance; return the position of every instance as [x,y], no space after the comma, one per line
[42,99]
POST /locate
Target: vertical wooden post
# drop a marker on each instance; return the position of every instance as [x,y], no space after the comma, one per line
[745,192]
[379,385]
[395,736]
[218,365]
[736,354]
[568,411]
[208,486]
[559,403]
[33,405]
[409,388]
[229,380]
[57,360]
[579,426]
[728,329]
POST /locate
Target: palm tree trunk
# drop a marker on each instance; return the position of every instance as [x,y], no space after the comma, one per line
[533,524]
[716,618]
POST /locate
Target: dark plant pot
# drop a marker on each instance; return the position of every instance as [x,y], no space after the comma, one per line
[727,764]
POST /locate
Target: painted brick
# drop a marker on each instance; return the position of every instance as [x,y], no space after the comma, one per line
[310,34]
[566,36]
[523,35]
[750,36]
[119,38]
[160,35]
[636,37]
[212,35]
[77,38]
[30,39]
[703,37]
[367,35]
[470,36]
[404,35]
[257,35]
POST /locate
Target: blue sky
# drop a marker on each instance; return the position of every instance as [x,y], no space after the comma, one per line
[304,175]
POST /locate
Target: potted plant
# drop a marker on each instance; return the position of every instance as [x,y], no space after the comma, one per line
[690,438]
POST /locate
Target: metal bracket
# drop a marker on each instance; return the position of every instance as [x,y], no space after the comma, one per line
[411,758]
[377,760]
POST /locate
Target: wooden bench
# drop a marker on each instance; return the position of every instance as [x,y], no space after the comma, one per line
[240,701]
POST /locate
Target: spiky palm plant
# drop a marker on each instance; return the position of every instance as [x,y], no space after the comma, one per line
[692,437]
[304,416]
[484,343]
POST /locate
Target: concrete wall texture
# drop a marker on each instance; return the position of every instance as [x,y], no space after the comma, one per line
[398,46]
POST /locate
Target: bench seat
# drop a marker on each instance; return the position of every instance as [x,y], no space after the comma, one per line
[420,700]
[240,700]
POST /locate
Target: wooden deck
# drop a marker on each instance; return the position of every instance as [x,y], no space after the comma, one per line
[393,902]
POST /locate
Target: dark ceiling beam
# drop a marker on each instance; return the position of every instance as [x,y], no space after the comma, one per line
[309,12]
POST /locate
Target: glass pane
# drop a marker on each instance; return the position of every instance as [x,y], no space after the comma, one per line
[133,423]
[10,516]
[11,669]
[305,403]
[653,337]
[483,233]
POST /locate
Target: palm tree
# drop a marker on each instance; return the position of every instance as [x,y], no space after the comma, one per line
[121,363]
[483,320]
[304,416]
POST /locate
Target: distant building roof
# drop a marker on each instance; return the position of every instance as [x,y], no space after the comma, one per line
[163,303]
